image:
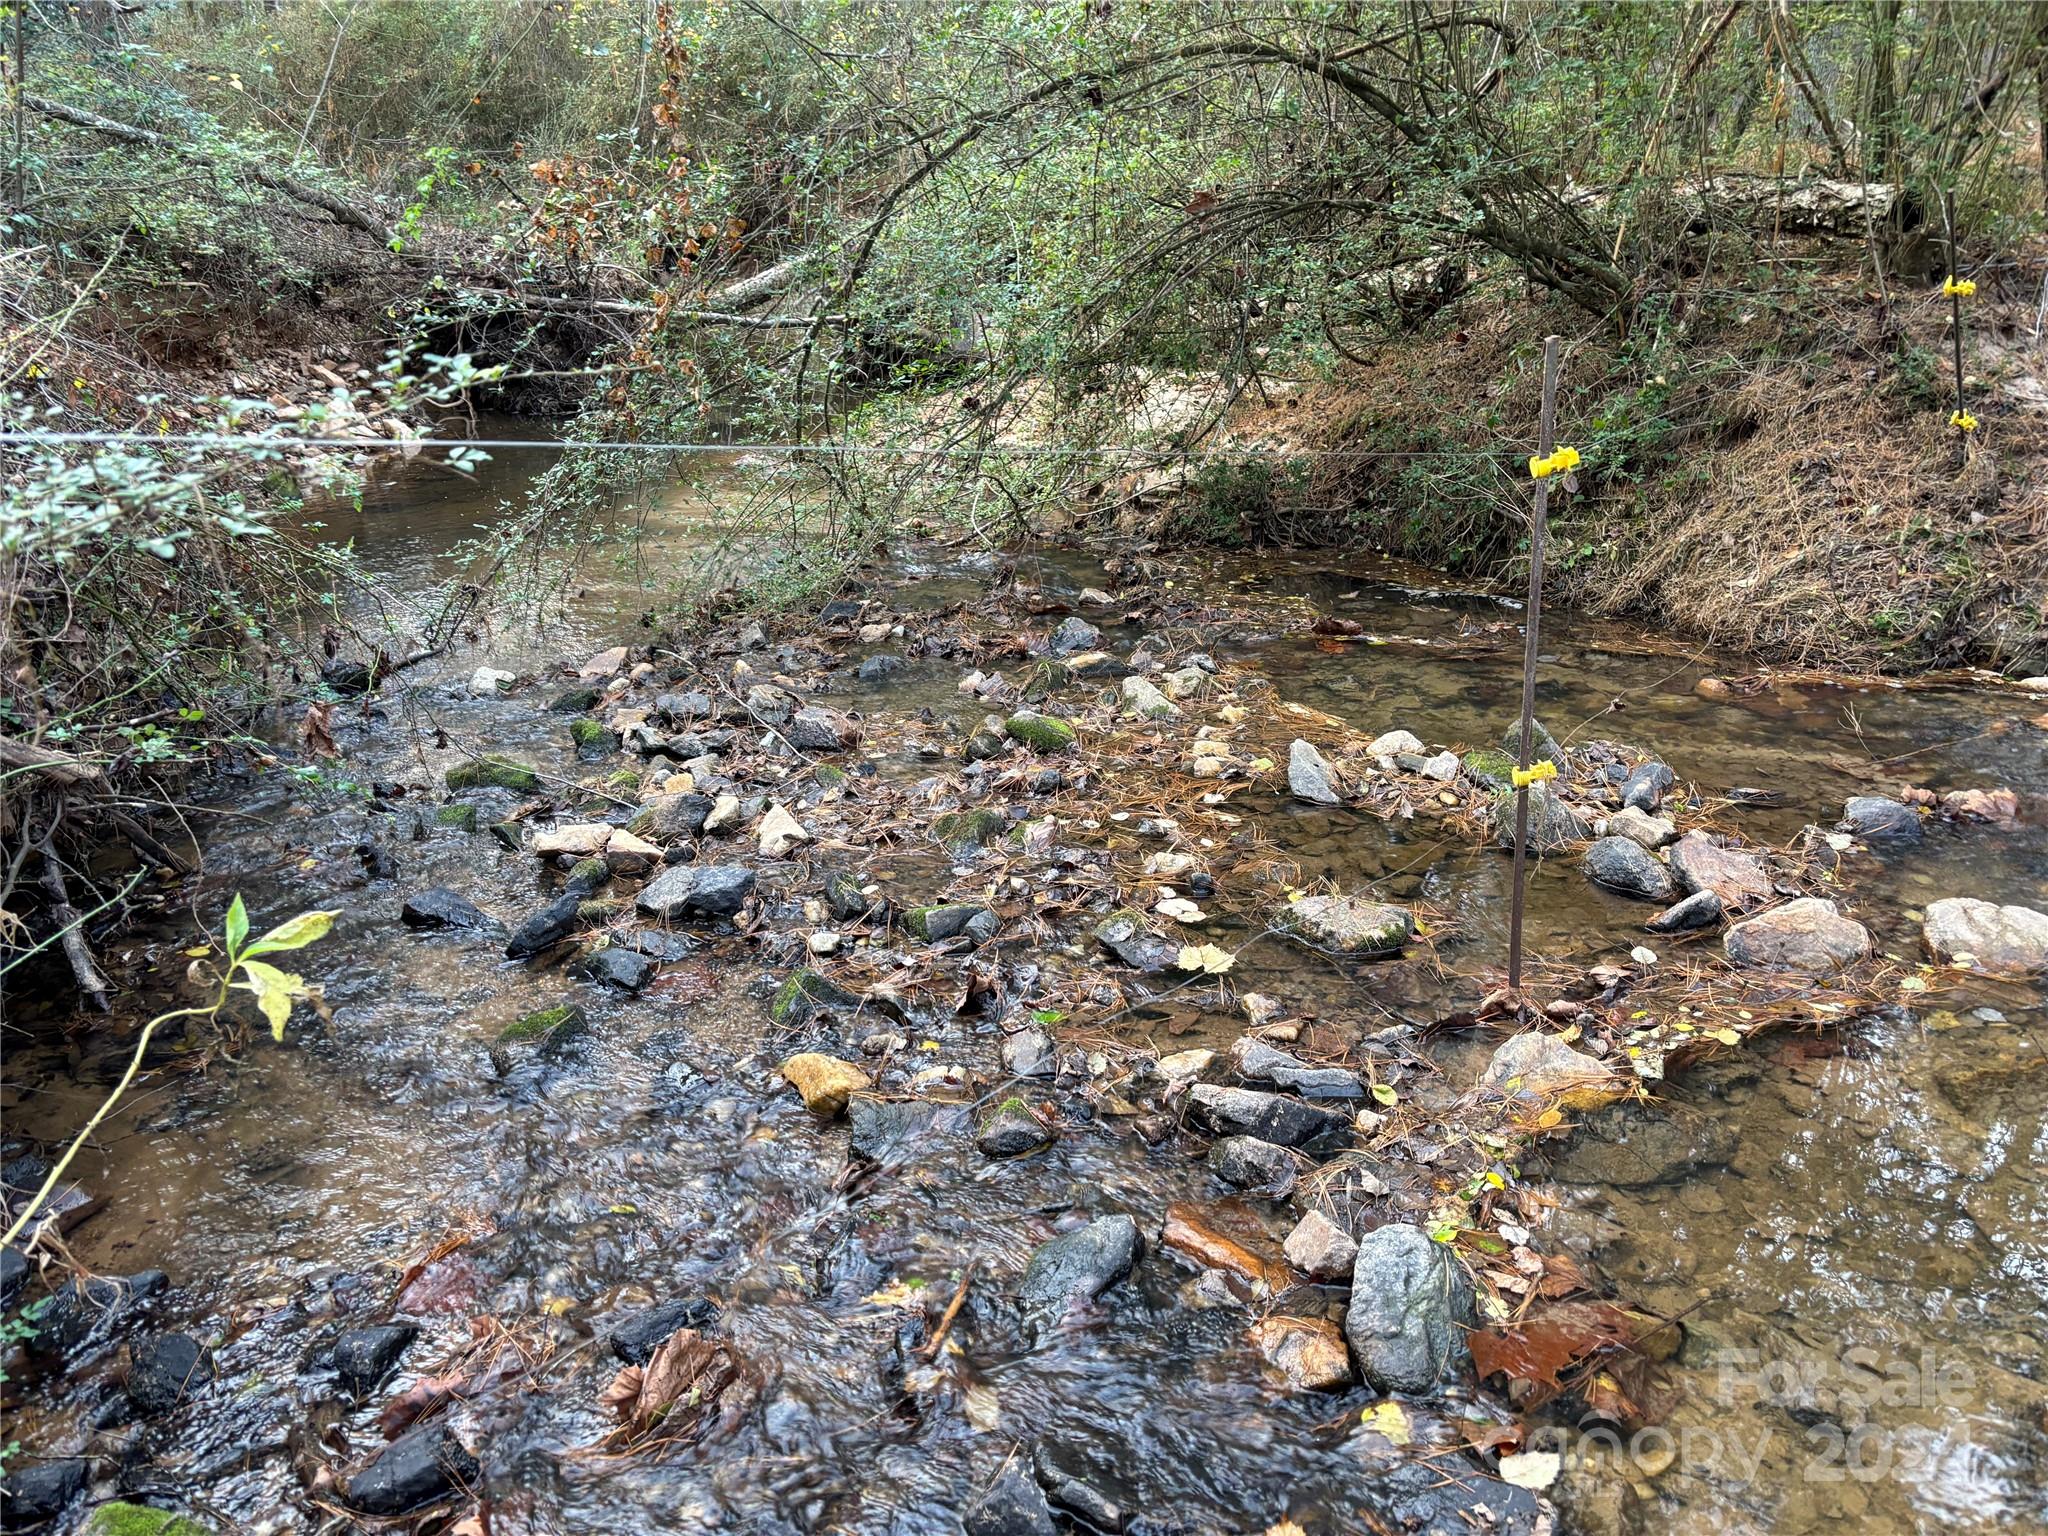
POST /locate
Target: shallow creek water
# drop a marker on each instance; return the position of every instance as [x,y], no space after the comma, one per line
[1855,1228]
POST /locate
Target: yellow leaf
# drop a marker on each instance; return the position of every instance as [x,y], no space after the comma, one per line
[274,991]
[1388,1418]
[1727,1037]
[294,933]
[1205,958]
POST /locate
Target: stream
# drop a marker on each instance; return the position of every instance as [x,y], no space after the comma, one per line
[1852,1224]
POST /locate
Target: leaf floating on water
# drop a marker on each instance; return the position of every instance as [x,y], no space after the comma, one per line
[1538,1352]
[1531,1469]
[1388,1418]
[1206,958]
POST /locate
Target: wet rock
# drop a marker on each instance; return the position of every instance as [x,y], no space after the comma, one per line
[1072,1488]
[463,818]
[1182,1067]
[418,1468]
[591,739]
[1310,776]
[1350,925]
[92,1309]
[493,773]
[40,1492]
[1410,1304]
[1013,1506]
[1228,1237]
[575,701]
[165,1370]
[489,682]
[123,1519]
[1738,878]
[989,740]
[805,995]
[629,854]
[1489,769]
[363,1357]
[1702,909]
[1638,1149]
[1142,699]
[964,832]
[574,840]
[874,668]
[546,1028]
[604,663]
[891,1132]
[13,1274]
[1542,1069]
[1639,826]
[1013,1131]
[1308,1351]
[1876,819]
[936,924]
[825,1082]
[617,966]
[1629,868]
[1267,1116]
[1246,1162]
[443,908]
[1552,824]
[696,891]
[1124,934]
[1041,733]
[636,1338]
[1541,745]
[2008,939]
[1320,1249]
[780,833]
[1254,1059]
[1080,1265]
[543,930]
[587,877]
[1073,634]
[346,677]
[670,818]
[1645,788]
[815,728]
[1804,935]
[1029,1053]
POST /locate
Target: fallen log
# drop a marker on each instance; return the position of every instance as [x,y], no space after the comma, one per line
[290,186]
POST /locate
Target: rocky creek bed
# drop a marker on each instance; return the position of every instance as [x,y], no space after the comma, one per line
[1028,1057]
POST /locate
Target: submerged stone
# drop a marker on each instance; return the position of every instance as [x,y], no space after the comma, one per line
[543,930]
[1350,925]
[442,908]
[1878,819]
[805,994]
[363,1357]
[1080,1265]
[1307,1351]
[963,832]
[936,924]
[636,1338]
[165,1370]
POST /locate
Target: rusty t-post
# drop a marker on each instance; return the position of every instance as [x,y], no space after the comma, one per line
[1545,433]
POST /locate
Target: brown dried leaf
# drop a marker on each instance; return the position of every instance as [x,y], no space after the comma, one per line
[316,733]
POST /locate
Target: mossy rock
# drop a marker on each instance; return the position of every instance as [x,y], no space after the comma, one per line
[805,995]
[588,875]
[576,701]
[494,773]
[1541,745]
[828,776]
[624,778]
[462,817]
[945,920]
[1494,770]
[591,738]
[560,1021]
[1046,679]
[964,831]
[1041,733]
[599,910]
[118,1519]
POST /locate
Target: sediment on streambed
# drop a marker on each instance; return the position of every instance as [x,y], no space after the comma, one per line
[880,1023]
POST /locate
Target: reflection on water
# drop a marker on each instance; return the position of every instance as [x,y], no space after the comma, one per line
[1885,1196]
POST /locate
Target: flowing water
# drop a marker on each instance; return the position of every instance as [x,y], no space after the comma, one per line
[1855,1228]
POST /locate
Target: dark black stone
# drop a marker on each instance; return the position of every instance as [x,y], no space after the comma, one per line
[1013,1506]
[38,1493]
[637,1338]
[1013,1131]
[875,668]
[891,1132]
[1645,788]
[847,903]
[419,1467]
[575,701]
[1071,1487]
[96,1308]
[165,1370]
[346,677]
[1246,1162]
[442,908]
[544,929]
[1080,1265]
[1702,909]
[618,966]
[363,1357]
[13,1274]
[1876,819]
[1267,1116]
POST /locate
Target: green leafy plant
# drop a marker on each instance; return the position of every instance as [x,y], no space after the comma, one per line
[275,991]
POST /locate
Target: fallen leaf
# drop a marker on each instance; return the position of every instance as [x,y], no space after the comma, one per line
[1531,1469]
[1206,958]
[315,732]
[1388,1418]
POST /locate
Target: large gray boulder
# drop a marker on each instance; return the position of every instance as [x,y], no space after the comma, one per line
[1804,935]
[1410,1305]
[2010,939]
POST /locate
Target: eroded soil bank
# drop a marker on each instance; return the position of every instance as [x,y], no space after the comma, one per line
[895,1115]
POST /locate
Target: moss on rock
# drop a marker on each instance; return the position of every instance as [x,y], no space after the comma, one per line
[462,817]
[120,1519]
[494,773]
[1041,733]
